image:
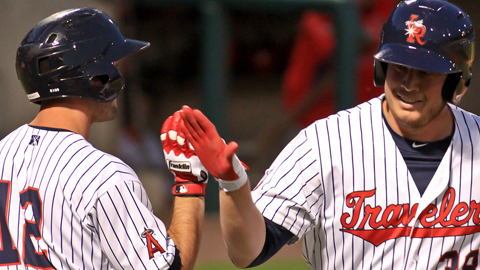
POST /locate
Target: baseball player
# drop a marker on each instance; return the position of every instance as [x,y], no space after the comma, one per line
[65,204]
[392,183]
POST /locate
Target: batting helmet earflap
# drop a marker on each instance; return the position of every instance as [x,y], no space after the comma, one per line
[71,54]
[430,35]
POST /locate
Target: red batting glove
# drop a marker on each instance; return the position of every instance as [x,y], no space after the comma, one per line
[217,157]
[190,175]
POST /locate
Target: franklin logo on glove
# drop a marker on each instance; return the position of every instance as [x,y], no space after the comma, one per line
[179,166]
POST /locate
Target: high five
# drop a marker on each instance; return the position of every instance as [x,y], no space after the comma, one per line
[392,183]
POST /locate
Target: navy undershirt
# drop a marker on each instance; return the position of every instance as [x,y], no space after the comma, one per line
[423,160]
[276,237]
[177,261]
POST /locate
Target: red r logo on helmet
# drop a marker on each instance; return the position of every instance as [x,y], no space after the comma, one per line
[415,30]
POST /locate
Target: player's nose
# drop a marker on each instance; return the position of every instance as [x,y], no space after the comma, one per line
[411,80]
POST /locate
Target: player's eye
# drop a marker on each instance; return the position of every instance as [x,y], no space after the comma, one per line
[425,73]
[400,68]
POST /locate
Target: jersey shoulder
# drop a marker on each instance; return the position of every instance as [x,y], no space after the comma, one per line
[64,156]
[84,172]
[104,170]
[13,134]
[369,109]
[466,123]
[460,112]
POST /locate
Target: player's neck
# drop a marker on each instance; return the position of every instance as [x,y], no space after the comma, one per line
[437,129]
[73,116]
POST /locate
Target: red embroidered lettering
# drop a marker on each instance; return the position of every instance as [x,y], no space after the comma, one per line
[475,207]
[350,202]
[406,217]
[371,215]
[453,217]
[429,212]
[445,208]
[395,211]
[460,210]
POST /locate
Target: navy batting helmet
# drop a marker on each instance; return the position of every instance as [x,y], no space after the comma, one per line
[430,35]
[71,54]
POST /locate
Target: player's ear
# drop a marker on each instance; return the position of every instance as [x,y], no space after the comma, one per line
[380,72]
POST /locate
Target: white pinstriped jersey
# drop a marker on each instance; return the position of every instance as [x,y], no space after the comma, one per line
[62,199]
[344,187]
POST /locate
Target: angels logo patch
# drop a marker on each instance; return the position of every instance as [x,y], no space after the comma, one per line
[152,243]
[415,30]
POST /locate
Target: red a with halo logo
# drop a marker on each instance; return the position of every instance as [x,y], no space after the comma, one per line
[152,244]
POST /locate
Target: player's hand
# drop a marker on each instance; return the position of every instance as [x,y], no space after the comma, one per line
[217,157]
[190,175]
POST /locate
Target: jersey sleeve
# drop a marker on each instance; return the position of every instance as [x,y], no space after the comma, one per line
[290,193]
[132,236]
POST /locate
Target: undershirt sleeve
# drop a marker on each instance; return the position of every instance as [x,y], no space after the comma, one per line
[275,238]
[177,262]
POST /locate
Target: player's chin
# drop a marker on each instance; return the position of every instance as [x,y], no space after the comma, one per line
[411,119]
[105,112]
[106,119]
[110,116]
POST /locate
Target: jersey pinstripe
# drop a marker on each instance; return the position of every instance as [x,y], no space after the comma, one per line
[343,187]
[81,208]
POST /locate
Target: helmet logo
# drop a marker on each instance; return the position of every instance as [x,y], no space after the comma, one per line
[415,30]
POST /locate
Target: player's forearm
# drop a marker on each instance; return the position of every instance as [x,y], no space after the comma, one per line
[243,227]
[186,228]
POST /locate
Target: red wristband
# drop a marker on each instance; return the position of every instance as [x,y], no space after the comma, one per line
[189,189]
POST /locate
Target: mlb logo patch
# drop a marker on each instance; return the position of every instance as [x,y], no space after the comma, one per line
[181,189]
[34,140]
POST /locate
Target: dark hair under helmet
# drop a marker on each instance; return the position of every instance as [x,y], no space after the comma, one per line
[71,54]
[430,35]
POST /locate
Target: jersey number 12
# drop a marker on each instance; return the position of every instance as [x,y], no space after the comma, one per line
[8,252]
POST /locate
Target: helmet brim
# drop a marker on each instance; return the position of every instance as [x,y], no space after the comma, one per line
[128,47]
[414,57]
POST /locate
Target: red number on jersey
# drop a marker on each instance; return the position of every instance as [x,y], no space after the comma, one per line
[451,257]
[29,197]
[8,253]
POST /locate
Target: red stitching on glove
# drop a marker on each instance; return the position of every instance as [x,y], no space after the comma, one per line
[190,175]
